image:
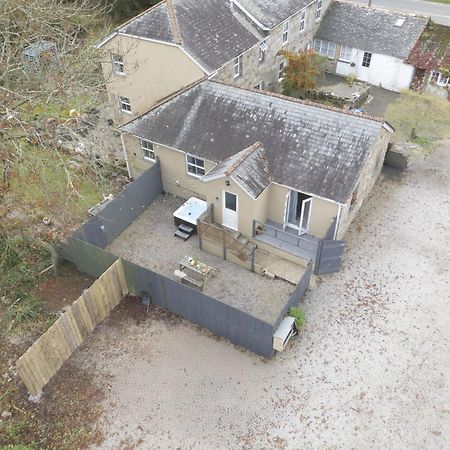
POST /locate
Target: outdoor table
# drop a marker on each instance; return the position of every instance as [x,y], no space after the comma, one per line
[197,267]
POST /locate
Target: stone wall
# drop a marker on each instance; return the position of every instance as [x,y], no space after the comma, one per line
[369,175]
[266,72]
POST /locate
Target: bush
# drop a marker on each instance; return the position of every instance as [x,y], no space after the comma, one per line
[299,315]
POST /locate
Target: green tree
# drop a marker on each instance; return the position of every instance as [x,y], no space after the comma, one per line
[302,71]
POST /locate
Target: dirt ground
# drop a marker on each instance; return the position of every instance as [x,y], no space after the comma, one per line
[150,242]
[369,371]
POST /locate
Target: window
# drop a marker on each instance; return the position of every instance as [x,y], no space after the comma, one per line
[325,47]
[262,51]
[147,150]
[195,166]
[345,53]
[238,67]
[439,78]
[285,32]
[281,71]
[319,9]
[302,21]
[400,21]
[366,59]
[118,64]
[125,104]
[230,201]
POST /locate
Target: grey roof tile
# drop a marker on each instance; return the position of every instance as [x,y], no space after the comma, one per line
[310,148]
[211,32]
[371,29]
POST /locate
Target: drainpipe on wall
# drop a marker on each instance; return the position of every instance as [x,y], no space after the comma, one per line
[369,4]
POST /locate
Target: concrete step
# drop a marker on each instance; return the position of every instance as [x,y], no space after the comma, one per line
[243,240]
[182,235]
[235,234]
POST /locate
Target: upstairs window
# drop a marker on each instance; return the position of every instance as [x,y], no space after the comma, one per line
[345,53]
[285,32]
[238,67]
[325,48]
[118,64]
[262,51]
[195,166]
[125,104]
[281,71]
[367,58]
[319,9]
[147,150]
[302,21]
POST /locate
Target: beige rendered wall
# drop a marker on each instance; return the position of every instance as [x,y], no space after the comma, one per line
[322,212]
[369,175]
[152,72]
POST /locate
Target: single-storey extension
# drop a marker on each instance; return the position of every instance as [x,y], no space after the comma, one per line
[370,44]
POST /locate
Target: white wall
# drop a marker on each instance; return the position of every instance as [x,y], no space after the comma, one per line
[385,71]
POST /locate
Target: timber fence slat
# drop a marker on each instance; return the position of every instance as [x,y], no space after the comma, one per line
[43,359]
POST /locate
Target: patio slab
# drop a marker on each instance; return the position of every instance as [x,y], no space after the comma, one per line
[150,242]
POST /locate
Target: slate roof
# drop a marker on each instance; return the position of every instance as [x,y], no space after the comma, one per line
[271,13]
[249,168]
[210,31]
[371,29]
[310,148]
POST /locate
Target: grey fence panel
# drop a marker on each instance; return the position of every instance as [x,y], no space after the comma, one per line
[297,295]
[329,256]
[89,258]
[117,215]
[219,318]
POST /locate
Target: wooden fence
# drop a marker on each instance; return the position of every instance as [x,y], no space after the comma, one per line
[43,359]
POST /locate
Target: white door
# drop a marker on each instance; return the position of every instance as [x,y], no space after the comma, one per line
[230,210]
[364,64]
[305,215]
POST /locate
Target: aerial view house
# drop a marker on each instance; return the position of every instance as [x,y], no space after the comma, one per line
[178,42]
[431,58]
[371,44]
[270,165]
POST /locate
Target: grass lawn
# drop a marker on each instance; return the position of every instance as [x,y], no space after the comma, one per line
[446,2]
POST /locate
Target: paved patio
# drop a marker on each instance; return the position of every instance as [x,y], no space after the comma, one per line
[150,242]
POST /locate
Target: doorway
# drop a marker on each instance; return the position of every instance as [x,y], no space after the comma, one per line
[230,210]
[298,211]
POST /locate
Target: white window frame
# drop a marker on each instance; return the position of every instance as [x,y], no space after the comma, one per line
[364,63]
[285,32]
[118,64]
[302,21]
[345,53]
[195,167]
[262,50]
[439,78]
[259,86]
[125,104]
[326,48]
[148,151]
[281,68]
[319,10]
[238,67]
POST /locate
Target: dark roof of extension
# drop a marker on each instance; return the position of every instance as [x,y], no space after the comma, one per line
[249,168]
[271,12]
[209,30]
[311,148]
[371,29]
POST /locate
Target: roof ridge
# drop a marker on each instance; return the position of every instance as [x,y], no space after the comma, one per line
[173,22]
[165,100]
[380,8]
[249,151]
[301,102]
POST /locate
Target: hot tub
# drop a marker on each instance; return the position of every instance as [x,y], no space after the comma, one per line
[189,212]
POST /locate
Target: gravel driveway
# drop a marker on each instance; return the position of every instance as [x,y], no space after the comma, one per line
[371,369]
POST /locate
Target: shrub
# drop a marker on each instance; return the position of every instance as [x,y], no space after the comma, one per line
[299,315]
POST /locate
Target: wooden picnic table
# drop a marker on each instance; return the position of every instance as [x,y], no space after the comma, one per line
[197,267]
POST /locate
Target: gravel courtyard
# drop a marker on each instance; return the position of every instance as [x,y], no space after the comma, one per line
[150,242]
[371,369]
